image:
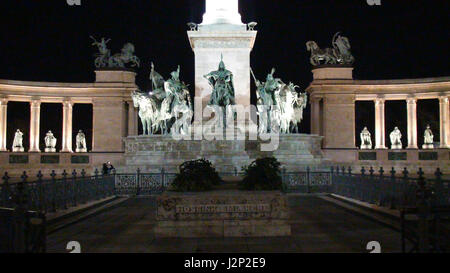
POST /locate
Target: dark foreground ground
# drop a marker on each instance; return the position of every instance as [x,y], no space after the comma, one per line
[318,226]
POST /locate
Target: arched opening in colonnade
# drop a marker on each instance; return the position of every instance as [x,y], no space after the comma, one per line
[51,118]
[396,116]
[428,113]
[82,119]
[18,117]
[364,117]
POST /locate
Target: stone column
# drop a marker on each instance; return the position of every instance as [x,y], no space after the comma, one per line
[67,127]
[132,120]
[3,120]
[445,122]
[109,126]
[35,120]
[315,116]
[339,121]
[412,123]
[380,139]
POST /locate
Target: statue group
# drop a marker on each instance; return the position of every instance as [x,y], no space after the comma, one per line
[105,60]
[50,142]
[340,53]
[396,139]
[167,108]
[280,106]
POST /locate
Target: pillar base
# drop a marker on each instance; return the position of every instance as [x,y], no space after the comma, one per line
[396,147]
[427,146]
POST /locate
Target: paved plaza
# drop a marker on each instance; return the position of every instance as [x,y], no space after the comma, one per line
[318,226]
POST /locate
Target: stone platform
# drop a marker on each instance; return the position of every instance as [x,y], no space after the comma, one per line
[222,214]
[151,153]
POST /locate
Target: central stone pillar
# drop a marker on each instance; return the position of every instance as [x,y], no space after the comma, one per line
[315,116]
[412,123]
[445,121]
[222,33]
[67,127]
[3,121]
[35,118]
[132,120]
[380,138]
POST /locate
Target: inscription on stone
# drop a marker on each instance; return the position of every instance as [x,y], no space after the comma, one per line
[80,159]
[368,156]
[50,159]
[208,209]
[18,159]
[397,156]
[428,156]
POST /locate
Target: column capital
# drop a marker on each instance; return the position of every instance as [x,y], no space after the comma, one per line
[35,102]
[68,103]
[443,99]
[315,99]
[380,100]
[4,101]
[411,100]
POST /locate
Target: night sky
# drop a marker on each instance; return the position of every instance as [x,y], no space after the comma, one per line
[49,40]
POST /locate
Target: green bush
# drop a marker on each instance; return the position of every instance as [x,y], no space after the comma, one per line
[195,176]
[262,175]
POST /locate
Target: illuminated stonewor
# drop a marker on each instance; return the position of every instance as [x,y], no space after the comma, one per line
[222,33]
[222,12]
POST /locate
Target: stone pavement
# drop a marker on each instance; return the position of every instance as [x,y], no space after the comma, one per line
[318,226]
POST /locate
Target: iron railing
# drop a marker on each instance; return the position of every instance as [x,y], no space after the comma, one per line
[51,195]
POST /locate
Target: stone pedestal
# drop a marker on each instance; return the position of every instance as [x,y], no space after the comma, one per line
[222,214]
[366,147]
[82,150]
[18,149]
[50,150]
[235,43]
[427,146]
[330,72]
[396,147]
[151,153]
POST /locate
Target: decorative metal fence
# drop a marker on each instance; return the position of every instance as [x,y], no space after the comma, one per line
[388,191]
[53,194]
[307,182]
[142,183]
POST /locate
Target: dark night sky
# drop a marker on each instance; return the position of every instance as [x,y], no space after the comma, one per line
[49,40]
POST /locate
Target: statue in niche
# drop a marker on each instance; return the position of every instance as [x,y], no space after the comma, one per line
[18,142]
[80,142]
[339,54]
[180,103]
[223,93]
[366,139]
[222,85]
[50,142]
[428,138]
[396,139]
[105,60]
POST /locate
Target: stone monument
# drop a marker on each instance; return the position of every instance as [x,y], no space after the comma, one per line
[428,139]
[18,142]
[222,33]
[396,139]
[366,139]
[81,142]
[222,214]
[50,142]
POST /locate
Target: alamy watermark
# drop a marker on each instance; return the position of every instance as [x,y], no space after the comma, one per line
[73,2]
[374,2]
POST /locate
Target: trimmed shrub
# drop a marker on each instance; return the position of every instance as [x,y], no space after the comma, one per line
[196,176]
[262,175]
